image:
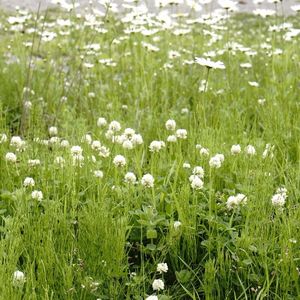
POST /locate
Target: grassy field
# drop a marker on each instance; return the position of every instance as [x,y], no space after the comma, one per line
[149,156]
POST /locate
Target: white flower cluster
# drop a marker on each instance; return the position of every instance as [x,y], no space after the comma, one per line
[279,198]
[196,179]
[236,200]
[216,161]
[156,146]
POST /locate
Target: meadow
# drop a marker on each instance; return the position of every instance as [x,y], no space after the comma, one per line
[149,155]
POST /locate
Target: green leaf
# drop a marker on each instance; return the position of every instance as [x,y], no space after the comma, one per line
[151,234]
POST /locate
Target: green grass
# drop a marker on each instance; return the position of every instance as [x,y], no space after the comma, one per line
[102,238]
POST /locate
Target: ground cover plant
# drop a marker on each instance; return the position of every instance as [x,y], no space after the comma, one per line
[149,155]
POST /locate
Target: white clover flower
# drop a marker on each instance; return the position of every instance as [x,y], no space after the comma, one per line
[54,140]
[119,139]
[91,95]
[281,190]
[128,145]
[27,105]
[278,200]
[177,225]
[220,156]
[158,285]
[233,201]
[114,126]
[235,149]
[147,181]
[34,162]
[29,182]
[204,152]
[96,145]
[104,152]
[181,133]
[18,278]
[152,297]
[197,183]
[186,165]
[64,144]
[184,111]
[87,138]
[172,139]
[109,134]
[98,174]
[3,138]
[37,195]
[137,139]
[101,122]
[250,150]
[53,131]
[162,268]
[215,162]
[119,161]
[261,101]
[129,132]
[198,171]
[170,125]
[16,142]
[11,157]
[76,150]
[130,178]
[156,146]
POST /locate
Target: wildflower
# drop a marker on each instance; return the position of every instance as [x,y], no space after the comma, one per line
[147,181]
[18,143]
[19,278]
[53,131]
[64,144]
[170,125]
[172,139]
[233,201]
[96,145]
[162,268]
[215,162]
[156,146]
[198,171]
[87,138]
[119,161]
[204,152]
[184,111]
[78,160]
[34,162]
[152,297]
[253,83]
[158,285]
[127,144]
[196,183]
[250,150]
[186,165]
[76,150]
[209,63]
[101,122]
[137,139]
[10,157]
[98,174]
[278,199]
[28,182]
[114,126]
[176,225]
[104,152]
[235,149]
[37,195]
[130,178]
[129,132]
[181,133]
